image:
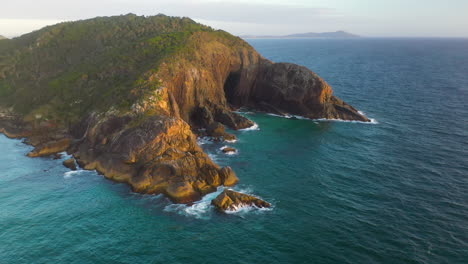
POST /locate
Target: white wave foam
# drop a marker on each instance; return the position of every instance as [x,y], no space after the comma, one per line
[70,174]
[253,127]
[240,111]
[276,115]
[229,152]
[204,210]
[209,140]
[213,157]
[204,140]
[244,209]
[372,120]
[200,210]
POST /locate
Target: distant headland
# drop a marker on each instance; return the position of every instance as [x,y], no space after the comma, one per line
[336,34]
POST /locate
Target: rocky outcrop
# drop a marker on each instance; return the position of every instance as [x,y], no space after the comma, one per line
[156,154]
[288,89]
[50,148]
[46,140]
[230,200]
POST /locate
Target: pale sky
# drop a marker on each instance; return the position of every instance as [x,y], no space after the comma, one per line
[373,18]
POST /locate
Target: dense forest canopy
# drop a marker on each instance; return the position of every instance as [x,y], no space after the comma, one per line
[63,71]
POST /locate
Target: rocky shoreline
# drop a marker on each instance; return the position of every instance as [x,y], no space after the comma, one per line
[149,140]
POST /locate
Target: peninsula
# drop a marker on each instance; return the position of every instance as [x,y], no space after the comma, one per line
[128,96]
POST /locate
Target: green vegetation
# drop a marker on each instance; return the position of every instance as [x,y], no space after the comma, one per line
[65,71]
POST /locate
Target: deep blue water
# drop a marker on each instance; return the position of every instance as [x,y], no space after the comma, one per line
[391,192]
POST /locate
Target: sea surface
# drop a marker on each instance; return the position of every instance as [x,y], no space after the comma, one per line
[394,191]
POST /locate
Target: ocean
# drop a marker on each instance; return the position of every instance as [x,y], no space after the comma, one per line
[391,191]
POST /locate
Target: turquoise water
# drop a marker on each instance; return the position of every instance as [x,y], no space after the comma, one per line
[391,192]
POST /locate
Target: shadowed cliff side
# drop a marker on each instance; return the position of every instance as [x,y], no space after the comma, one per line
[289,89]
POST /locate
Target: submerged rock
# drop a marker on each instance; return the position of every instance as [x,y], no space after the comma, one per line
[70,163]
[230,200]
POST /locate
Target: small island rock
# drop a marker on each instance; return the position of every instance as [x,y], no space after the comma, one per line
[230,200]
[229,150]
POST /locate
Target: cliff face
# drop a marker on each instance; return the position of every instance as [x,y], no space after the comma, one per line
[197,81]
[289,89]
[217,78]
[131,110]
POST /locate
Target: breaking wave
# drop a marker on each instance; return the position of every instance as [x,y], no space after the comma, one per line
[204,141]
[253,127]
[372,120]
[200,210]
[71,174]
[230,152]
[204,210]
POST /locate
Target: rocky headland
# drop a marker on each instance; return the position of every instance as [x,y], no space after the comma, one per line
[128,95]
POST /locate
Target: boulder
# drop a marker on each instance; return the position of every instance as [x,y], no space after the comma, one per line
[70,163]
[230,200]
[228,150]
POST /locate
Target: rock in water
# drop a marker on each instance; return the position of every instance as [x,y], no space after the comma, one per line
[229,150]
[70,163]
[230,200]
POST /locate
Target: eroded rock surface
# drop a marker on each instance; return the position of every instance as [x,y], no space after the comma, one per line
[158,155]
[230,200]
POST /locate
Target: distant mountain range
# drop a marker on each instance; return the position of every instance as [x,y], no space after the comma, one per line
[337,34]
[2,37]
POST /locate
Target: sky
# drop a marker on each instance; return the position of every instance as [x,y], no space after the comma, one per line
[372,18]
